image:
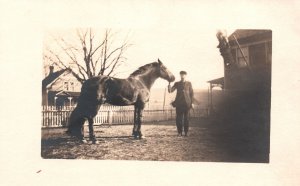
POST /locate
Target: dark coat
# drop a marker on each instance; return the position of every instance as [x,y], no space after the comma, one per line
[185,94]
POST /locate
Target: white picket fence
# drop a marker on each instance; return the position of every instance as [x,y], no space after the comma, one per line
[59,116]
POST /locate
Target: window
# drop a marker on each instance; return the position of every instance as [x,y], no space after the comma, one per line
[66,85]
[242,58]
[72,86]
[69,86]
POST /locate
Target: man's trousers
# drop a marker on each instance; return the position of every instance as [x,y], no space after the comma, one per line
[182,120]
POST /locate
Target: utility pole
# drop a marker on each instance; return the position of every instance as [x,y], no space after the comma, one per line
[164,99]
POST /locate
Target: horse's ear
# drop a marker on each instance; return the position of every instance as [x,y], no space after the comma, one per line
[159,62]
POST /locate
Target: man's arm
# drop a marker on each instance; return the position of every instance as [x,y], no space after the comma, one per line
[191,92]
[172,89]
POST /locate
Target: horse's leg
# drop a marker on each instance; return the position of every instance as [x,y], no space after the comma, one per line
[91,131]
[134,116]
[135,125]
[139,120]
[81,130]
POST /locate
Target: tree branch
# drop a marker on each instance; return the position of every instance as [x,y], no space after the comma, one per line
[89,54]
[72,57]
[116,62]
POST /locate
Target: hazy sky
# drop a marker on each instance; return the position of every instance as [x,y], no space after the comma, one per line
[192,50]
[183,38]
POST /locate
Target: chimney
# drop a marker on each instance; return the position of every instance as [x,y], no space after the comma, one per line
[51,69]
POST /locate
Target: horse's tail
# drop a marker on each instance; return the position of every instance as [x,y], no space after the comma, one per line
[75,124]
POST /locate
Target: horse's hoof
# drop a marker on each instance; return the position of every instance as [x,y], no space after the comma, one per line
[95,142]
[142,137]
[83,141]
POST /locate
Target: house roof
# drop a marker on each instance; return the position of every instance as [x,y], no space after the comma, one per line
[217,81]
[51,77]
[68,93]
[242,33]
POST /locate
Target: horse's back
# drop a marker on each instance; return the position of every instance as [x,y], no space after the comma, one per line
[116,91]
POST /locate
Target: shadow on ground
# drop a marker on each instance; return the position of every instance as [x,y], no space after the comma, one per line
[208,141]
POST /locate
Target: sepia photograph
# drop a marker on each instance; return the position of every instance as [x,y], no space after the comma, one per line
[103,98]
[127,92]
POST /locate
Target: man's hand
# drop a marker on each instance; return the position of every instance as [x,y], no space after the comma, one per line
[169,87]
[192,106]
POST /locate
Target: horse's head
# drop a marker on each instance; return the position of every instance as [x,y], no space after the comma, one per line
[165,73]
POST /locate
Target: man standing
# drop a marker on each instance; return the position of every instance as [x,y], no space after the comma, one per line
[183,102]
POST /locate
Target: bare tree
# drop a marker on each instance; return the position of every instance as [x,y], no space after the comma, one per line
[89,57]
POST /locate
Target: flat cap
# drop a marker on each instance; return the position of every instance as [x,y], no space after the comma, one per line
[183,72]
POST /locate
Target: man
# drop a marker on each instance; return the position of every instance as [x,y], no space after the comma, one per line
[183,102]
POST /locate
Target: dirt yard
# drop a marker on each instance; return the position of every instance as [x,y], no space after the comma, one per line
[204,143]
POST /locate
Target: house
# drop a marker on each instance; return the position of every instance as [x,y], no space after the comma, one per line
[219,82]
[60,88]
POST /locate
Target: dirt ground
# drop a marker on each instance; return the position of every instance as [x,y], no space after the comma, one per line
[206,142]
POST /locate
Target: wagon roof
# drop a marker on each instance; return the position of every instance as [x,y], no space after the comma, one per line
[243,33]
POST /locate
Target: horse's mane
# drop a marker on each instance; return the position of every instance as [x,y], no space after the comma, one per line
[142,69]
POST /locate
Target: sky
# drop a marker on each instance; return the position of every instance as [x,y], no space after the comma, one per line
[192,50]
[182,35]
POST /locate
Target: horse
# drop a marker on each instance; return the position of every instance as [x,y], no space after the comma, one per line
[135,90]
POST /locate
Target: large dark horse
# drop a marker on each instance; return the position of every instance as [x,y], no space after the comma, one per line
[135,90]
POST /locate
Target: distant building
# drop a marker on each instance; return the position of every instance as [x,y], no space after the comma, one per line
[60,88]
